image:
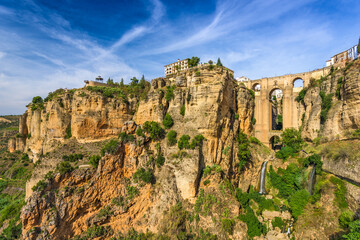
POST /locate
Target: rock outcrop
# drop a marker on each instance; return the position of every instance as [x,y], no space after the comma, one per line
[344,86]
[215,107]
[81,114]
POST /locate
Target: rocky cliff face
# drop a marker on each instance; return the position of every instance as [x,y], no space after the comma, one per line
[342,118]
[82,114]
[215,107]
[340,91]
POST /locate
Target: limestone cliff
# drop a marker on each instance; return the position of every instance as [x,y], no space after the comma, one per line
[81,114]
[215,107]
[342,87]
[332,108]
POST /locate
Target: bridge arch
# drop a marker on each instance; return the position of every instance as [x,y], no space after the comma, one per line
[256,87]
[298,82]
[275,142]
[275,91]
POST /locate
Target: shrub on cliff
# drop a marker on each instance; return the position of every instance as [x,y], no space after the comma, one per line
[228,225]
[54,94]
[37,103]
[143,175]
[345,219]
[182,110]
[154,129]
[244,154]
[110,148]
[73,157]
[168,122]
[292,143]
[301,96]
[40,186]
[126,137]
[314,159]
[170,93]
[197,141]
[255,228]
[160,160]
[193,62]
[94,161]
[354,233]
[64,167]
[326,101]
[298,202]
[171,137]
[184,142]
[68,133]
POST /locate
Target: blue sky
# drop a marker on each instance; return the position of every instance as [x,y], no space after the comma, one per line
[46,45]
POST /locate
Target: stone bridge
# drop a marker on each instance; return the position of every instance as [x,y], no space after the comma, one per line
[291,110]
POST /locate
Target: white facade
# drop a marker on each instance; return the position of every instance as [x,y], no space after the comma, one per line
[180,65]
[243,79]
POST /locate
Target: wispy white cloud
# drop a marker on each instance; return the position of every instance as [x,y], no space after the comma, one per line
[41,50]
[2,54]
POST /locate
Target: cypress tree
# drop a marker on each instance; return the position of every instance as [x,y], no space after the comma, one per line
[219,63]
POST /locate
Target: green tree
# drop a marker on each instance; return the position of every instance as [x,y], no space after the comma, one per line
[211,62]
[122,82]
[142,82]
[358,47]
[219,64]
[354,233]
[193,62]
[64,167]
[134,81]
[244,153]
[94,161]
[37,100]
[168,122]
[171,137]
[184,142]
[292,138]
[154,129]
[182,110]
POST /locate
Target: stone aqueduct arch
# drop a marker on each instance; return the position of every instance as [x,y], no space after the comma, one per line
[292,110]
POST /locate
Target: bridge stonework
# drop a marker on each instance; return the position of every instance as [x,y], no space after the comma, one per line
[292,110]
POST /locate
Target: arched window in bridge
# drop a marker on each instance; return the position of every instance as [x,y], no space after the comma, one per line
[275,142]
[256,87]
[298,83]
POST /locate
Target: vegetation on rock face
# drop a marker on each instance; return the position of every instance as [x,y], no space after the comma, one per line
[171,137]
[110,148]
[301,96]
[64,167]
[169,95]
[326,100]
[126,137]
[154,129]
[314,159]
[292,143]
[37,103]
[193,62]
[182,110]
[94,161]
[136,89]
[244,154]
[144,175]
[184,142]
[68,132]
[168,122]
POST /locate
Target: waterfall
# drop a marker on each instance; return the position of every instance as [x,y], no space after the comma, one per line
[262,178]
[312,180]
